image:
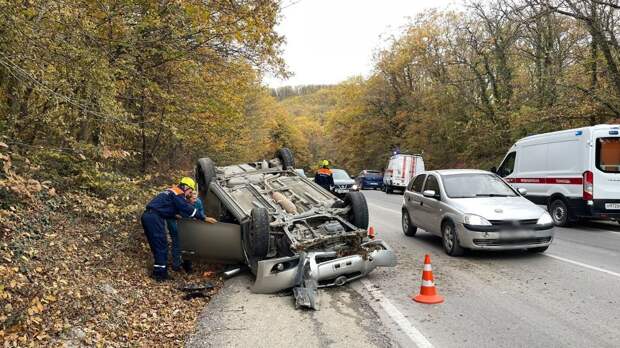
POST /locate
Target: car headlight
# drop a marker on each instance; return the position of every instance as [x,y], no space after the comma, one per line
[475,220]
[545,219]
[354,187]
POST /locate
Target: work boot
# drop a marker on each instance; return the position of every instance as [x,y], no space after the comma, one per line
[187,266]
[160,274]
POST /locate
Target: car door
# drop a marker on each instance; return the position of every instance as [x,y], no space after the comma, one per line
[219,242]
[430,206]
[413,197]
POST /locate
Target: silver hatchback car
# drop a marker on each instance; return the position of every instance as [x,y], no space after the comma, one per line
[474,209]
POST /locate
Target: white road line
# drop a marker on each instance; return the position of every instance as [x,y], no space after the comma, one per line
[383,208]
[414,334]
[583,265]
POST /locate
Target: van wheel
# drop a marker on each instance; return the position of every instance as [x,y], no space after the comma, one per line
[450,241]
[409,229]
[389,189]
[559,213]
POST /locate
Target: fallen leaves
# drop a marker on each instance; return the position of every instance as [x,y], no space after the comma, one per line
[74,270]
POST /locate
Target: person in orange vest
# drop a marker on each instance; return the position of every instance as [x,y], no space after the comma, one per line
[324,176]
[166,205]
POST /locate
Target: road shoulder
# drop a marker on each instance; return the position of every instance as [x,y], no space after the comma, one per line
[238,318]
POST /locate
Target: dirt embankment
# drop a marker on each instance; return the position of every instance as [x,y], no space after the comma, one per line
[74,266]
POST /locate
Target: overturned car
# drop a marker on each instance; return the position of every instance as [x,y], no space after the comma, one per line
[291,232]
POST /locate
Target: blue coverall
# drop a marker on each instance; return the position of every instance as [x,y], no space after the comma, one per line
[166,205]
[177,260]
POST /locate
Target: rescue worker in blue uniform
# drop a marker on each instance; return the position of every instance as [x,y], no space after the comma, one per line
[324,176]
[166,205]
[171,224]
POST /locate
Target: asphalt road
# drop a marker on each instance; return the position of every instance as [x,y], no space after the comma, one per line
[566,297]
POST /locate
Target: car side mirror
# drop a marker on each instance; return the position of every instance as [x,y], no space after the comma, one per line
[522,191]
[493,170]
[429,194]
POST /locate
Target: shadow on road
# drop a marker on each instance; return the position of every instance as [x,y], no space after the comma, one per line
[611,226]
[436,243]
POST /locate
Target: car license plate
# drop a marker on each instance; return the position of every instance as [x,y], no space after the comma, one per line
[519,234]
[612,206]
[374,183]
[342,190]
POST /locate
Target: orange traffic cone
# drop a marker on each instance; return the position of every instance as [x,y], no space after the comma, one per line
[371,232]
[428,293]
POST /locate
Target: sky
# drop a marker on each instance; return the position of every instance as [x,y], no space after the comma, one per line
[329,41]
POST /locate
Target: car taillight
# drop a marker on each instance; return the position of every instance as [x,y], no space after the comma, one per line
[588,185]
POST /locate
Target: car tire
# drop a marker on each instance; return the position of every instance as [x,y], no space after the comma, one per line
[560,213]
[256,240]
[358,214]
[285,155]
[409,229]
[538,249]
[389,189]
[204,174]
[450,240]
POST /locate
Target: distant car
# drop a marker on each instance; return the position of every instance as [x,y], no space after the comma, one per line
[369,179]
[343,183]
[474,209]
[400,170]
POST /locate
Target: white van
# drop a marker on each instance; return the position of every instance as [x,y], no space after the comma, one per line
[575,173]
[400,170]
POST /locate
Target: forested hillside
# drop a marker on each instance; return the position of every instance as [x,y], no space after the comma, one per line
[104,103]
[460,87]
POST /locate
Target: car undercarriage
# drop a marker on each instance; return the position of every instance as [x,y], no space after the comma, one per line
[289,231]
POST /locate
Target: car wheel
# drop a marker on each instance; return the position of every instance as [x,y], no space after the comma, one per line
[358,214]
[538,249]
[559,212]
[256,240]
[389,189]
[450,241]
[285,155]
[204,174]
[408,228]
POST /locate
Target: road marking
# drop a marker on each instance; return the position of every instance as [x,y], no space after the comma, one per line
[383,208]
[584,265]
[414,334]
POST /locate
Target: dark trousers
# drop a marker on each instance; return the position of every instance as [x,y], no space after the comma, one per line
[153,226]
[177,259]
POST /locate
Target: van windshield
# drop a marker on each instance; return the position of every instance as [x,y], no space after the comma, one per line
[476,185]
[608,155]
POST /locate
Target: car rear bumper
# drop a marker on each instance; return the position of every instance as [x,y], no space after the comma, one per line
[323,267]
[504,240]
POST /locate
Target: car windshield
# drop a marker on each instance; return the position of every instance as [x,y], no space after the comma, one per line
[476,185]
[340,174]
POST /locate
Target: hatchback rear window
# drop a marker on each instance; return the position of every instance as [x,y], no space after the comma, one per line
[373,174]
[608,155]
